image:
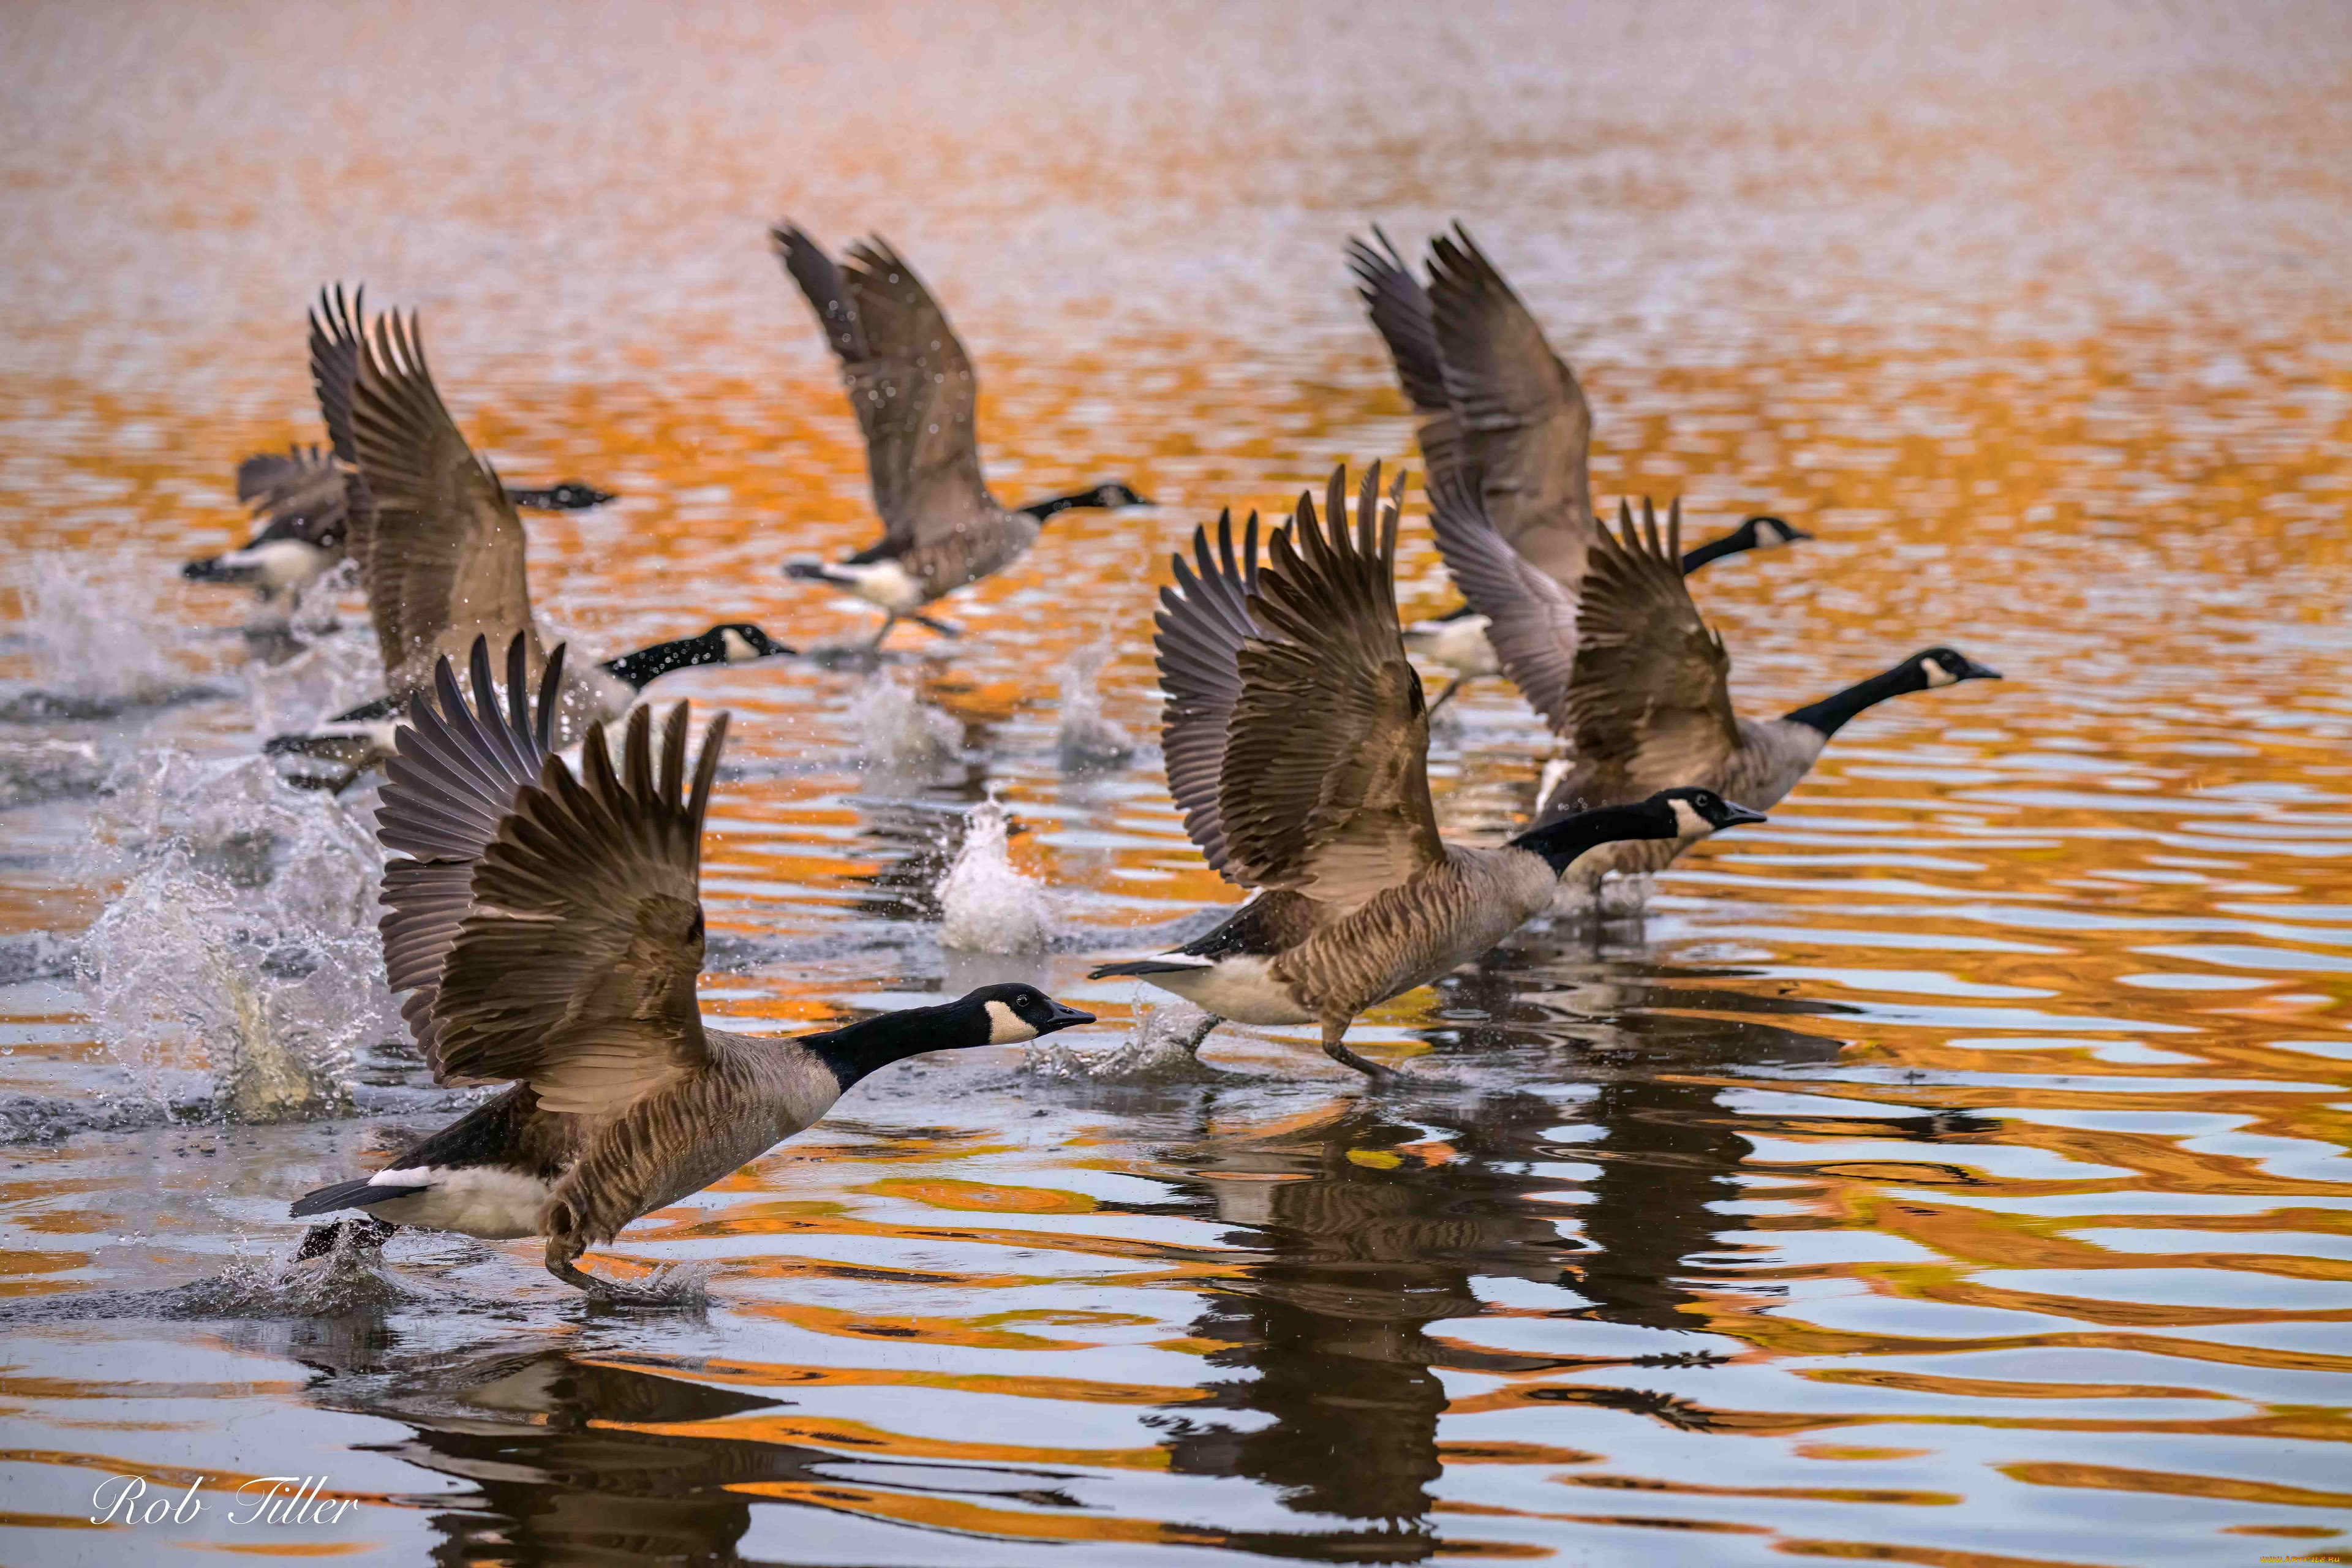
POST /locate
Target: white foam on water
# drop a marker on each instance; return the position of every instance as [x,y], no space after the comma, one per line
[94,629]
[898,731]
[239,960]
[1163,1046]
[1088,740]
[985,905]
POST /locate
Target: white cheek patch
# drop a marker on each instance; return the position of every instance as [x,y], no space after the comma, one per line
[1006,1027]
[1937,674]
[1689,824]
[739,647]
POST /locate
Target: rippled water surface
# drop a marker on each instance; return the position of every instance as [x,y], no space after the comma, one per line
[1951,1172]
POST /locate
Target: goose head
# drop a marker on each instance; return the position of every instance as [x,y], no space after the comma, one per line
[1764,532]
[1698,811]
[741,642]
[568,495]
[1935,666]
[1009,1014]
[1117,493]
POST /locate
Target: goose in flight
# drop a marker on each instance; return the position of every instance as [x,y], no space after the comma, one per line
[1626,672]
[1296,742]
[440,551]
[914,390]
[547,928]
[1490,392]
[301,497]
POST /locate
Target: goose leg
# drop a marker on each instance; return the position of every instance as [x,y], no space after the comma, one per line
[1335,1032]
[1446,696]
[890,618]
[562,1261]
[944,628]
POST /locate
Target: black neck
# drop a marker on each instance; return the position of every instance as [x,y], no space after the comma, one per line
[1731,543]
[861,1048]
[647,665]
[1560,843]
[1831,713]
[1042,510]
[542,501]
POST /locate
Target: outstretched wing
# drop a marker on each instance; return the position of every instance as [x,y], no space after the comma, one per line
[1531,620]
[909,380]
[451,780]
[1400,312]
[1652,690]
[1325,784]
[442,558]
[335,363]
[573,970]
[1202,623]
[1523,420]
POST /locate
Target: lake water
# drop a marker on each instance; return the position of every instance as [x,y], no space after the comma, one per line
[1950,1172]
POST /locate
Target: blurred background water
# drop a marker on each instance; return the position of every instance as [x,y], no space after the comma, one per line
[1951,1172]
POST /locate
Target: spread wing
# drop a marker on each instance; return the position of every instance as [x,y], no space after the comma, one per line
[1400,312]
[453,778]
[442,557]
[1325,785]
[1531,620]
[335,362]
[1651,690]
[1523,420]
[573,967]
[1202,623]
[911,382]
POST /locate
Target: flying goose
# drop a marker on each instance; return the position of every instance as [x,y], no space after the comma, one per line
[301,497]
[549,932]
[441,556]
[914,390]
[1625,671]
[1490,392]
[1297,741]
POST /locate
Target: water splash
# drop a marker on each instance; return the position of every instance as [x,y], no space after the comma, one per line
[92,624]
[898,731]
[1089,742]
[986,906]
[1163,1046]
[239,960]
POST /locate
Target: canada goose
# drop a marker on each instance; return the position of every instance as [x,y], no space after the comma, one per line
[914,390]
[1298,746]
[301,497]
[1490,392]
[441,556]
[1627,673]
[548,930]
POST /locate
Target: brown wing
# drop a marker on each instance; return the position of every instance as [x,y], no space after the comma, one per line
[452,781]
[1399,313]
[1651,696]
[1522,417]
[1531,620]
[1324,787]
[575,969]
[922,449]
[442,557]
[1202,623]
[335,362]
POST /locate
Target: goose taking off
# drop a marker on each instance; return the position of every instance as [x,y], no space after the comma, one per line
[1490,393]
[548,930]
[914,390]
[1627,673]
[1298,745]
[302,497]
[440,551]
